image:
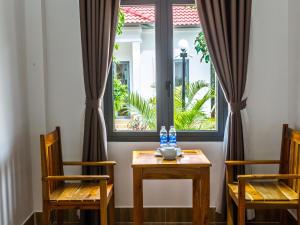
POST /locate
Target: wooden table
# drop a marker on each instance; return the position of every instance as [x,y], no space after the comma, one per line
[192,165]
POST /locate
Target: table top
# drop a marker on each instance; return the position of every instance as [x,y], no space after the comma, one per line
[189,158]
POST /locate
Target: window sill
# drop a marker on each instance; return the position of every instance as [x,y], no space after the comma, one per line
[154,137]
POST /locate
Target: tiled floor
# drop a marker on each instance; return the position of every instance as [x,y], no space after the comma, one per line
[211,223]
[172,215]
[174,223]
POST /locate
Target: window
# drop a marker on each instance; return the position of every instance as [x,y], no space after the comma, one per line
[122,88]
[162,75]
[178,71]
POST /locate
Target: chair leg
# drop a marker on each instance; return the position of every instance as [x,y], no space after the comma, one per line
[46,214]
[112,210]
[241,214]
[229,210]
[103,213]
[60,217]
[298,216]
[283,217]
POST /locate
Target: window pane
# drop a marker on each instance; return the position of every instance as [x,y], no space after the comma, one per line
[194,76]
[134,70]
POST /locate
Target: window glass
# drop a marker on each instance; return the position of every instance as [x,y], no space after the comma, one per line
[134,70]
[194,89]
[178,71]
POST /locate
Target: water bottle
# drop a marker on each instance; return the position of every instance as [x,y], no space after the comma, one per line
[163,136]
[172,136]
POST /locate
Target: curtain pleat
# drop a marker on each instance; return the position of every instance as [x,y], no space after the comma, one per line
[226,26]
[98,21]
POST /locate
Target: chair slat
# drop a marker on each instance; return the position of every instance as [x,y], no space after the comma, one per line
[287,191]
[266,191]
[66,192]
[252,193]
[78,192]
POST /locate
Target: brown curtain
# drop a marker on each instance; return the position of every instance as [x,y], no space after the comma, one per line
[226,26]
[98,21]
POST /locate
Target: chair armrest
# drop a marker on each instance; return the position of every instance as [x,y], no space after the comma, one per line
[100,163]
[251,162]
[231,164]
[77,177]
[268,176]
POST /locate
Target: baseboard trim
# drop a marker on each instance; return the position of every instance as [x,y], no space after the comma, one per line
[29,220]
[291,219]
[157,215]
[153,215]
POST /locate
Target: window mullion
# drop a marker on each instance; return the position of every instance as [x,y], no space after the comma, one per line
[169,40]
[166,70]
[162,63]
[159,71]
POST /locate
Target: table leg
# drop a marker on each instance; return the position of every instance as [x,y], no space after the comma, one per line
[197,202]
[137,196]
[205,196]
[201,199]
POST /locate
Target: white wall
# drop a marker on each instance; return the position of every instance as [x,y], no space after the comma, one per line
[294,57]
[294,53]
[15,165]
[294,62]
[268,79]
[268,92]
[35,53]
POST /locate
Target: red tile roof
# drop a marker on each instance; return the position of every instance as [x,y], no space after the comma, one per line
[182,15]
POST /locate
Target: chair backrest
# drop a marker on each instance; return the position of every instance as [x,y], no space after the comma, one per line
[290,155]
[51,158]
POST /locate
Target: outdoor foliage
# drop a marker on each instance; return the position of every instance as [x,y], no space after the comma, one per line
[119,31]
[190,118]
[201,47]
[121,22]
[120,96]
[143,109]
[193,116]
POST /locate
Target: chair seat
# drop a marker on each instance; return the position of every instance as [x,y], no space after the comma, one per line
[77,192]
[265,191]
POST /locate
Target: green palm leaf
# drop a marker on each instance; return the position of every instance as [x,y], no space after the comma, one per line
[192,116]
[200,102]
[194,88]
[145,108]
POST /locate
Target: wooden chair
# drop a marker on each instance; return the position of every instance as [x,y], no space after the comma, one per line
[263,191]
[59,194]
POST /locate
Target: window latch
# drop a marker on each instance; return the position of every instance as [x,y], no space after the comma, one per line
[169,87]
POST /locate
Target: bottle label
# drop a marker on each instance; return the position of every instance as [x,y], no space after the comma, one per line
[172,139]
[163,139]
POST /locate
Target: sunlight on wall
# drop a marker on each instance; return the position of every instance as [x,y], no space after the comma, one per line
[15,165]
